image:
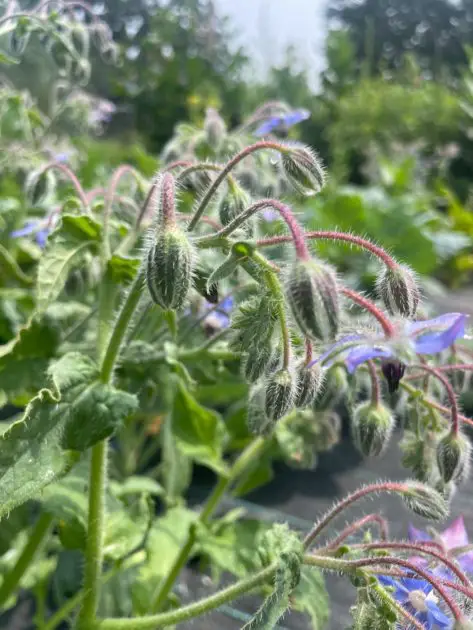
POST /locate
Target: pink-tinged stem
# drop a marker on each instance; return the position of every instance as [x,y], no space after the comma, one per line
[369,306]
[362,243]
[308,351]
[166,206]
[258,146]
[375,395]
[461,367]
[75,182]
[450,393]
[146,204]
[432,403]
[297,233]
[402,574]
[357,525]
[421,549]
[108,201]
[182,216]
[388,486]
[177,164]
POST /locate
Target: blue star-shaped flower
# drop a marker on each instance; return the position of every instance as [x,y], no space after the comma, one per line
[39,228]
[418,598]
[282,121]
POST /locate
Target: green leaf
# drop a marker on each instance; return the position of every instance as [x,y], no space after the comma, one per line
[64,250]
[10,270]
[122,269]
[177,466]
[31,455]
[137,485]
[311,597]
[7,60]
[23,361]
[221,393]
[199,432]
[165,540]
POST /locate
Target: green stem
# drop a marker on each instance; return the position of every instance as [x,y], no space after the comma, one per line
[246,458]
[384,595]
[36,541]
[95,535]
[120,327]
[171,319]
[191,611]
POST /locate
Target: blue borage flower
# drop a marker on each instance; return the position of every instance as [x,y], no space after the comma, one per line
[40,228]
[220,315]
[425,337]
[282,121]
[418,598]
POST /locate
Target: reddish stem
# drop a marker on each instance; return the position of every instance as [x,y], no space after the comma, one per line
[258,146]
[419,549]
[308,351]
[356,525]
[177,164]
[375,396]
[166,207]
[362,243]
[388,486]
[76,183]
[462,367]
[451,394]
[369,306]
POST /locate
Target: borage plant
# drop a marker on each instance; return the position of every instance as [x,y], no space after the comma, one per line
[120,361]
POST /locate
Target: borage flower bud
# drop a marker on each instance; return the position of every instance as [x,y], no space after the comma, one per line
[335,388]
[303,169]
[279,395]
[372,426]
[453,456]
[169,268]
[214,128]
[311,289]
[425,501]
[309,382]
[232,204]
[398,289]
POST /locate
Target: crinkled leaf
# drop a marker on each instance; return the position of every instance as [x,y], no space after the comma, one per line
[199,432]
[64,250]
[23,361]
[31,455]
[122,269]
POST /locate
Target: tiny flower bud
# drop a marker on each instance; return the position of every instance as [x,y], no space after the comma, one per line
[214,128]
[309,382]
[453,456]
[303,169]
[232,204]
[335,388]
[371,427]
[38,186]
[169,268]
[393,372]
[311,290]
[425,501]
[398,289]
[419,454]
[279,395]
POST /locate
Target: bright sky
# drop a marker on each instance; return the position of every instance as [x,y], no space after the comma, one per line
[267,27]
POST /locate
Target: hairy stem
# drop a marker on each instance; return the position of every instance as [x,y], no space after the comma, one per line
[450,393]
[369,306]
[375,394]
[357,525]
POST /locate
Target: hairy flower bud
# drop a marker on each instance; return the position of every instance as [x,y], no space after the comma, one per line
[371,427]
[425,501]
[419,454]
[303,169]
[279,395]
[309,381]
[232,204]
[335,388]
[169,268]
[398,289]
[453,456]
[311,290]
[214,128]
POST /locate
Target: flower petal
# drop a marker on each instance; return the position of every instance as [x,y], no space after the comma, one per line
[455,535]
[268,126]
[450,327]
[337,347]
[415,584]
[436,616]
[41,237]
[465,560]
[363,353]
[296,116]
[417,535]
[28,228]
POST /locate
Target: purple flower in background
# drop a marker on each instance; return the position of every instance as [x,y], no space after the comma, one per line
[453,537]
[282,121]
[220,316]
[418,598]
[426,337]
[40,229]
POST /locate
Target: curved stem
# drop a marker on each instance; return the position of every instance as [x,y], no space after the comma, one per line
[258,146]
[297,233]
[449,389]
[375,394]
[76,183]
[204,166]
[428,402]
[369,306]
[386,597]
[354,527]
[351,498]
[35,542]
[196,609]
[357,241]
